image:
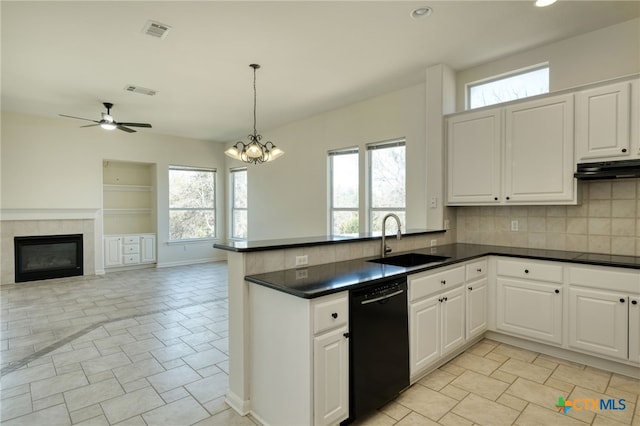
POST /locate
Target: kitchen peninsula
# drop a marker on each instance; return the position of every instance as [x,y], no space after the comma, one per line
[266,271]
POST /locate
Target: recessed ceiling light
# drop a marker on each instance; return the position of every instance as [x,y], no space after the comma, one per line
[421,12]
[544,3]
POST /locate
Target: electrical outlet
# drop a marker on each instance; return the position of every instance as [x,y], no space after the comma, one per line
[302,260]
[434,242]
[446,224]
[433,202]
[514,225]
[301,274]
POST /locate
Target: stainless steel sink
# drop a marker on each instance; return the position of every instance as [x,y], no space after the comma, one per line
[410,259]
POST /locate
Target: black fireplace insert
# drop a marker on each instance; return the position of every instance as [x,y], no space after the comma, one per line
[48,256]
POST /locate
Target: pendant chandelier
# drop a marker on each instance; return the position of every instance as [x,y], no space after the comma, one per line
[254,152]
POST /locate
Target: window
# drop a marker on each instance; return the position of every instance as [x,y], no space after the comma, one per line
[387,182]
[521,84]
[192,203]
[344,205]
[239,212]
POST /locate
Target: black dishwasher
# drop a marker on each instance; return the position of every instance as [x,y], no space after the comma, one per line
[379,345]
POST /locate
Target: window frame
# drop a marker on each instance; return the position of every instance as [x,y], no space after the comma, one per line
[332,209]
[370,209]
[214,202]
[504,76]
[232,198]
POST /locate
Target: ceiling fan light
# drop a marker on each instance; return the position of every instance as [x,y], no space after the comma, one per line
[108,126]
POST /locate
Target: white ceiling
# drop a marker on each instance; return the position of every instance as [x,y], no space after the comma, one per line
[69,57]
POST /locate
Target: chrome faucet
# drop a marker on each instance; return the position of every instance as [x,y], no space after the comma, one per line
[383,247]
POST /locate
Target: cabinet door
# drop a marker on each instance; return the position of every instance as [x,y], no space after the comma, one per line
[148,249]
[602,122]
[474,146]
[424,335]
[112,251]
[530,308]
[598,321]
[634,329]
[476,306]
[330,377]
[452,316]
[539,151]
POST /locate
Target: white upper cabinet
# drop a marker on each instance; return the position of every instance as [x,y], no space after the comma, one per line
[603,123]
[474,148]
[519,154]
[539,151]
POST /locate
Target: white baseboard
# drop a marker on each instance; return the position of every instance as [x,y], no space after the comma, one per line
[190,262]
[239,405]
[569,355]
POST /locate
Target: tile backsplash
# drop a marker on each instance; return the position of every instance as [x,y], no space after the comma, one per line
[606,221]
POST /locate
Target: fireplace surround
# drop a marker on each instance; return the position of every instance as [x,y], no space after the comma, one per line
[48,256]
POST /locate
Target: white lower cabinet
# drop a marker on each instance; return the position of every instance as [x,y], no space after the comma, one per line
[529,299]
[598,322]
[331,377]
[128,250]
[476,301]
[436,316]
[604,312]
[113,251]
[299,358]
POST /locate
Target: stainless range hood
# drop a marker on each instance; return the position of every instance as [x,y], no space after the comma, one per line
[608,170]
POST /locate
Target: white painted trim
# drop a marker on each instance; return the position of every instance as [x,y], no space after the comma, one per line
[190,262]
[239,406]
[47,214]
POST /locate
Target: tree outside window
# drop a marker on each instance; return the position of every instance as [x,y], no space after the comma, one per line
[239,204]
[344,175]
[387,183]
[192,212]
[517,85]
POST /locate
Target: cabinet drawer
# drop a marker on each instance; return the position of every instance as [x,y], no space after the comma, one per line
[131,239]
[532,270]
[131,248]
[476,269]
[606,278]
[426,283]
[329,313]
[131,258]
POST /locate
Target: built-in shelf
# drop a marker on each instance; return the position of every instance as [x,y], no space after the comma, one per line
[127,211]
[125,188]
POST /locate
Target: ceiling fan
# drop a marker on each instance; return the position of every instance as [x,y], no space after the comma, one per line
[107,122]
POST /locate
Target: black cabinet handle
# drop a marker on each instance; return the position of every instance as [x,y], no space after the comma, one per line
[346,335]
[622,300]
[508,198]
[445,299]
[634,302]
[624,149]
[526,271]
[557,291]
[470,288]
[479,270]
[443,282]
[495,198]
[334,315]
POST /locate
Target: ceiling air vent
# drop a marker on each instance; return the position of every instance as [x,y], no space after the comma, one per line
[141,90]
[156,29]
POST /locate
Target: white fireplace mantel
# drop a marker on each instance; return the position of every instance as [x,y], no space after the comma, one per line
[47,214]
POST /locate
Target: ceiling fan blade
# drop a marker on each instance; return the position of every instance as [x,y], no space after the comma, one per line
[147,125]
[90,125]
[78,118]
[126,129]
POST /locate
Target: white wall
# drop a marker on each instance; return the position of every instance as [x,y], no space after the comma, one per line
[54,164]
[603,54]
[288,198]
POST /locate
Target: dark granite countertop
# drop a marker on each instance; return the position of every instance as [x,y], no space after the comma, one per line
[320,280]
[286,243]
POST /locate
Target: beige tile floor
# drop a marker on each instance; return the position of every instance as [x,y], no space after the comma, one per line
[149,347]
